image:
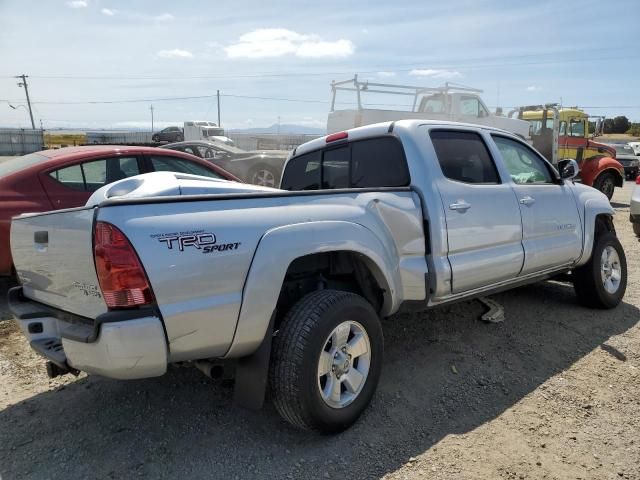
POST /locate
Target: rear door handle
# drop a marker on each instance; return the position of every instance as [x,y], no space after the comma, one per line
[527,200]
[460,205]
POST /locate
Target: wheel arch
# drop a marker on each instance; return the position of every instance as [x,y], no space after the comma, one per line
[593,167]
[598,217]
[277,251]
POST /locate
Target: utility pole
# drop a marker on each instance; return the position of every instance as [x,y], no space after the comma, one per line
[218,95]
[152,118]
[23,83]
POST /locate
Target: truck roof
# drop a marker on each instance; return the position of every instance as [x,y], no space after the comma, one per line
[383,128]
[564,113]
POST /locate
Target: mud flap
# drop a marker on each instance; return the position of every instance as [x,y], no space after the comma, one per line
[252,374]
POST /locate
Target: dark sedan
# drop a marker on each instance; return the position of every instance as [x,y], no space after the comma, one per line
[260,167]
[627,157]
[66,178]
[169,134]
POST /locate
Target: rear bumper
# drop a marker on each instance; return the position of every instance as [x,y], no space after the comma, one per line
[121,345]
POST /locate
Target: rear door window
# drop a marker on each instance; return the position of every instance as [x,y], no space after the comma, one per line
[371,163]
[90,176]
[464,157]
[71,177]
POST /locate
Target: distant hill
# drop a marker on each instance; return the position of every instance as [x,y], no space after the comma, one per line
[283,129]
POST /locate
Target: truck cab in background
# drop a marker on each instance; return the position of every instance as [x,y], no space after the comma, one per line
[203,130]
[565,133]
[451,102]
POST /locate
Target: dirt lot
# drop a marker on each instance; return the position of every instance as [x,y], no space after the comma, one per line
[553,392]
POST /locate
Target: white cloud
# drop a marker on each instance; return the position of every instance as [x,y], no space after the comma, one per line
[386,74]
[77,4]
[277,42]
[435,73]
[175,53]
[533,88]
[108,12]
[165,17]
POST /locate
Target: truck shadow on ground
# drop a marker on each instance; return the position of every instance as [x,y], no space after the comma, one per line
[183,424]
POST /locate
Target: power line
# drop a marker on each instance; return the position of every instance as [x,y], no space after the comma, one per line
[400,68]
[275,99]
[171,99]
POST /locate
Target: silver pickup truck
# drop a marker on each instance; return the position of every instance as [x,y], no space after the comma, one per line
[288,286]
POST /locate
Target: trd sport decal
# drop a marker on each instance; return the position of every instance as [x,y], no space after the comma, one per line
[198,239]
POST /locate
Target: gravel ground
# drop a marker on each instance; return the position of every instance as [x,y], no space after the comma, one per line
[550,393]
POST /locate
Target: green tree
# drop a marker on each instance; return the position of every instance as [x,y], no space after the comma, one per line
[608,125]
[621,124]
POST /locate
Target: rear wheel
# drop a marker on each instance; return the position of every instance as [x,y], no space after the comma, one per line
[263,175]
[602,281]
[606,183]
[326,361]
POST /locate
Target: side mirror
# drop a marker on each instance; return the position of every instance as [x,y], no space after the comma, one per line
[569,169]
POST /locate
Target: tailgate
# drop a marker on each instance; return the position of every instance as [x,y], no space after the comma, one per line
[53,255]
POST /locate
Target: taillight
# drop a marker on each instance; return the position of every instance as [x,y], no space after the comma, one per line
[638,180]
[120,274]
[337,136]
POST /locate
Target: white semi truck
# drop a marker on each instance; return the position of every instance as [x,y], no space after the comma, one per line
[203,130]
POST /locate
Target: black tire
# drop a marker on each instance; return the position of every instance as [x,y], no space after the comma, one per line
[155,138]
[296,352]
[587,279]
[636,229]
[606,183]
[179,138]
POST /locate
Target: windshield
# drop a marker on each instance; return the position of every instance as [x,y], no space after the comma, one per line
[536,126]
[434,104]
[18,163]
[624,149]
[214,132]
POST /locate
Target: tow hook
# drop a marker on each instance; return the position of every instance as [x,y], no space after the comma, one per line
[54,370]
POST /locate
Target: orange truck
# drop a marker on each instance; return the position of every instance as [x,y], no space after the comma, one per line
[564,133]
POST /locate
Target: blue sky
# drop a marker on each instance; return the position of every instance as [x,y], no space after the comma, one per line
[519,52]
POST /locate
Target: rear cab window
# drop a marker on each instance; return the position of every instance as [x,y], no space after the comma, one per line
[368,163]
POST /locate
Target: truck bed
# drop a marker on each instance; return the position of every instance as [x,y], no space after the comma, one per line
[207,244]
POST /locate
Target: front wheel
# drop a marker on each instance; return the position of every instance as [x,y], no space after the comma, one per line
[326,362]
[606,183]
[602,281]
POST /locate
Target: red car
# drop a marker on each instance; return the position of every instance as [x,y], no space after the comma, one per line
[66,178]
